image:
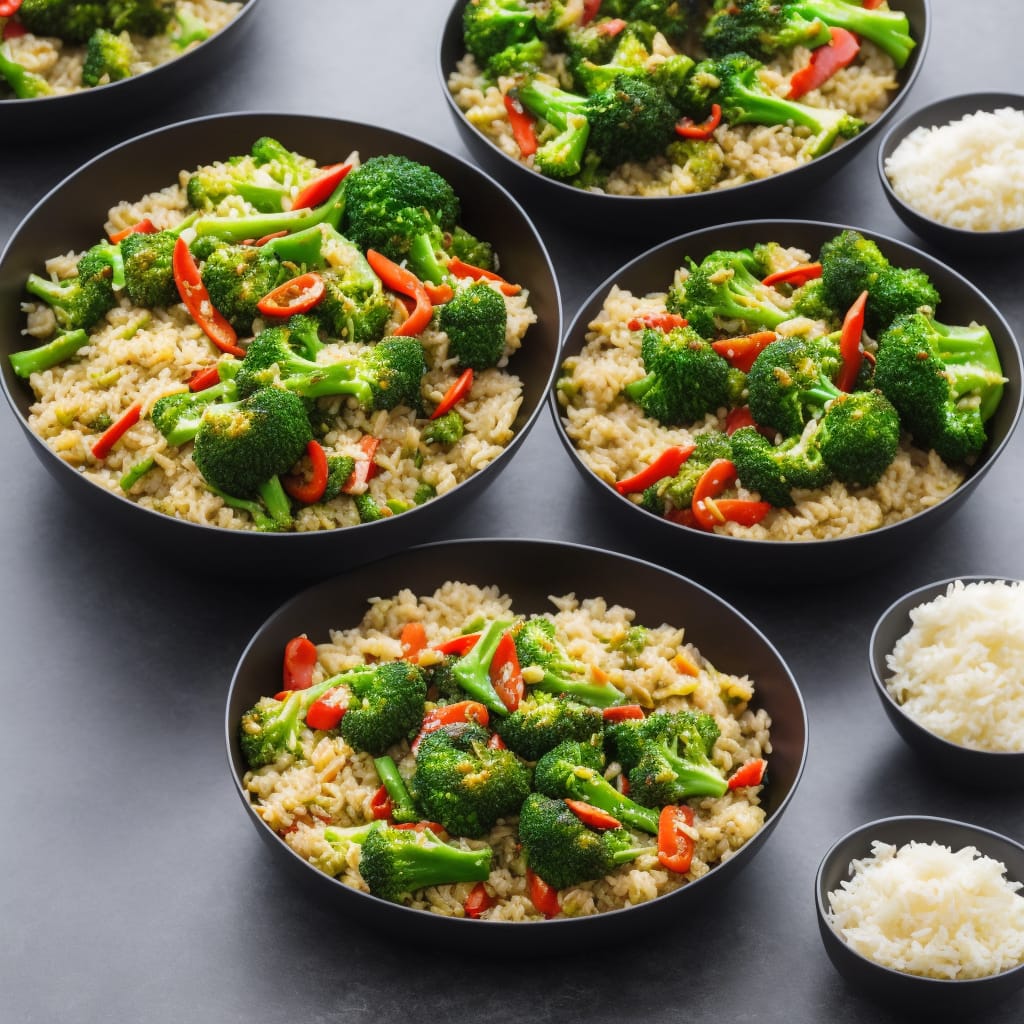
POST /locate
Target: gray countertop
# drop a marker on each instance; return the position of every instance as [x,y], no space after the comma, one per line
[132,887]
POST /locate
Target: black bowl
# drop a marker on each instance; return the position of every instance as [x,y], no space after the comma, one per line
[666,215]
[71,217]
[694,551]
[915,995]
[937,114]
[51,116]
[529,571]
[964,765]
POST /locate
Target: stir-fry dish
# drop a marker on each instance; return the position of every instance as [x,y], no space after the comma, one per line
[773,394]
[457,756]
[647,98]
[274,345]
[56,47]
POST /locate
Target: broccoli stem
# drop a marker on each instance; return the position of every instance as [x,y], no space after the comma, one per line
[889,30]
[273,494]
[589,786]
[25,84]
[34,360]
[402,807]
[600,695]
[472,670]
[974,363]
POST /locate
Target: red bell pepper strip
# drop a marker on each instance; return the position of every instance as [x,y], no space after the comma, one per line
[263,239]
[12,30]
[849,343]
[405,282]
[459,268]
[675,844]
[380,804]
[715,479]
[421,826]
[446,714]
[299,662]
[591,9]
[666,464]
[522,123]
[687,129]
[314,192]
[9,7]
[744,511]
[478,902]
[506,675]
[460,645]
[592,816]
[455,394]
[611,28]
[825,61]
[197,300]
[365,469]
[142,227]
[103,444]
[439,293]
[496,742]
[749,774]
[741,352]
[738,417]
[413,639]
[796,276]
[312,490]
[682,517]
[200,380]
[543,896]
[661,321]
[299,295]
[326,712]
[622,712]
[871,4]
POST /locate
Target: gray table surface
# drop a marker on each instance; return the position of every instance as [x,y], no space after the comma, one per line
[132,887]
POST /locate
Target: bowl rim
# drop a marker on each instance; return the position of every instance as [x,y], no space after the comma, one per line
[876,657]
[864,833]
[835,544]
[197,530]
[931,115]
[739,857]
[567,192]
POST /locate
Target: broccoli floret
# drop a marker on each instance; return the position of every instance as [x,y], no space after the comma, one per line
[542,721]
[809,301]
[395,863]
[517,59]
[563,851]
[595,72]
[143,17]
[945,382]
[385,704]
[761,28]
[472,671]
[464,784]
[472,250]
[108,57]
[237,277]
[672,19]
[677,491]
[177,416]
[66,19]
[25,84]
[685,377]
[80,302]
[572,771]
[775,470]
[188,29]
[702,159]
[148,268]
[887,29]
[592,44]
[339,469]
[475,320]
[446,429]
[859,436]
[631,643]
[489,26]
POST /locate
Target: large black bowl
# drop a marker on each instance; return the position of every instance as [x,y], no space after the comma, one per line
[694,551]
[49,117]
[917,997]
[666,215]
[71,217]
[529,571]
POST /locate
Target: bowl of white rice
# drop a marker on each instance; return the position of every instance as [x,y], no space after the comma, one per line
[924,915]
[954,172]
[947,661]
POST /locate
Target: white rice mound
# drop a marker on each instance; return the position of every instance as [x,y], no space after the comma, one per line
[959,671]
[329,783]
[927,910]
[967,174]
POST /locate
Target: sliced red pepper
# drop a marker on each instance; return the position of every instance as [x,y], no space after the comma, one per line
[325,712]
[13,30]
[591,9]
[660,321]
[687,129]
[612,27]
[796,276]
[298,664]
[312,490]
[666,464]
[9,7]
[675,845]
[263,239]
[197,300]
[365,469]
[380,804]
[460,645]
[523,125]
[103,444]
[459,268]
[439,293]
[200,380]
[622,712]
[421,826]
[744,511]
[682,517]
[299,295]
[478,902]
[824,62]
[142,227]
[849,343]
[405,282]
[543,896]
[506,675]
[455,394]
[749,774]
[622,783]
[314,192]
[720,475]
[738,417]
[741,352]
[496,742]
[592,816]
[447,714]
[413,639]
[871,4]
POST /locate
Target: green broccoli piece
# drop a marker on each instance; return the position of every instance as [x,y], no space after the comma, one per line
[385,704]
[65,19]
[446,429]
[472,671]
[475,320]
[677,491]
[53,353]
[472,250]
[108,57]
[178,415]
[761,28]
[859,436]
[403,807]
[148,268]
[81,301]
[775,470]
[490,26]
[887,29]
[542,721]
[188,29]
[703,160]
[525,57]
[25,84]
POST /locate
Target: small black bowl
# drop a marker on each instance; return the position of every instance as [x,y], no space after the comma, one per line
[911,993]
[935,115]
[666,215]
[958,763]
[694,551]
[71,217]
[528,571]
[48,117]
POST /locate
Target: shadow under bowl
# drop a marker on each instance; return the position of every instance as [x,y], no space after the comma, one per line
[529,571]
